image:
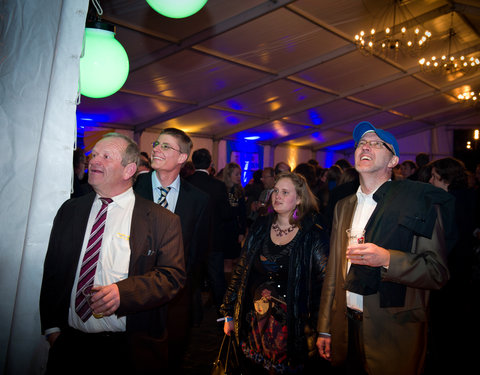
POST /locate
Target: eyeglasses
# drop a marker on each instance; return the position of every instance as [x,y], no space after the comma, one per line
[374,144]
[165,147]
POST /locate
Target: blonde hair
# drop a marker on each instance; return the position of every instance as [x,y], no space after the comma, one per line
[227,178]
[184,141]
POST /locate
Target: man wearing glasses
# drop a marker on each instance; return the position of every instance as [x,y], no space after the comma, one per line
[373,311]
[165,187]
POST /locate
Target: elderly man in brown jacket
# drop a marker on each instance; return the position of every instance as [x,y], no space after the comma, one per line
[130,251]
[373,311]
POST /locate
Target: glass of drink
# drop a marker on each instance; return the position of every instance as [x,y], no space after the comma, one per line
[89,291]
[355,236]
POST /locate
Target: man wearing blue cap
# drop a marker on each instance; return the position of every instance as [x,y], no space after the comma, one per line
[373,311]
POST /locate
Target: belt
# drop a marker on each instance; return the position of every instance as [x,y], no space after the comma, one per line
[105,334]
[354,314]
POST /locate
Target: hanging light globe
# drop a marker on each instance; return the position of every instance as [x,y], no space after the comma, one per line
[104,66]
[177,8]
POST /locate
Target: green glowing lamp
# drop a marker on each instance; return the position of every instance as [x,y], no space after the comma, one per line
[104,65]
[177,8]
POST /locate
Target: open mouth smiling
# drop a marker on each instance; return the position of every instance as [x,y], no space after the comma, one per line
[365,157]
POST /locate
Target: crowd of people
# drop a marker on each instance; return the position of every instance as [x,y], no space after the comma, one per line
[151,231]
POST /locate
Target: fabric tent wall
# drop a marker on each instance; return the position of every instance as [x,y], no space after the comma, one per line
[41,42]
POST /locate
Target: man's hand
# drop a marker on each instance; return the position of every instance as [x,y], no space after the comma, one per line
[324,345]
[53,337]
[368,254]
[107,300]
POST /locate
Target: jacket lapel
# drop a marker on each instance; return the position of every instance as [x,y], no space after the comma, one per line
[143,185]
[138,231]
[79,220]
[345,221]
[182,206]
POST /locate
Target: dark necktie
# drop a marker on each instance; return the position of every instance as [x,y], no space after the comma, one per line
[90,259]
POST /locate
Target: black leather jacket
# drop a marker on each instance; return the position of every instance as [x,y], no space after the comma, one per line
[308,261]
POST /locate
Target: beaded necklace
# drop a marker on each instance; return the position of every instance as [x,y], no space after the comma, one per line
[282,232]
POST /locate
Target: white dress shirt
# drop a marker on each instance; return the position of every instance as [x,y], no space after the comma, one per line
[113,262]
[364,209]
[172,195]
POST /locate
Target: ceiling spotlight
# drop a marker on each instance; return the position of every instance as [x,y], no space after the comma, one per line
[104,65]
[177,8]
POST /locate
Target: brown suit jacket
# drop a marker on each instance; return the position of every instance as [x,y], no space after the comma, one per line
[156,270]
[394,337]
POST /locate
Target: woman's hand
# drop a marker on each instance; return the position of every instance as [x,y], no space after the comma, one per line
[228,326]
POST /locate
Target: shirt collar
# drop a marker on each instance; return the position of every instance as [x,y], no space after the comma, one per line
[175,185]
[121,199]
[362,197]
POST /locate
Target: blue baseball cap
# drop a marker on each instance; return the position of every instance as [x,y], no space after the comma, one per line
[365,127]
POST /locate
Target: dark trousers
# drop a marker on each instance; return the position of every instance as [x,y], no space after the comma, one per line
[356,364]
[179,324]
[75,352]
[216,276]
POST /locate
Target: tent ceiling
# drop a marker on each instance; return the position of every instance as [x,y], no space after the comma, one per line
[286,71]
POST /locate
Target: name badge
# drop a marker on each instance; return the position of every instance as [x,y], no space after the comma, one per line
[123,236]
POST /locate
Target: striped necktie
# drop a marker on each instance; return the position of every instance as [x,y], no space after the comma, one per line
[90,259]
[163,196]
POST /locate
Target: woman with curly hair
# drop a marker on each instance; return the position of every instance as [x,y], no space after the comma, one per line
[272,301]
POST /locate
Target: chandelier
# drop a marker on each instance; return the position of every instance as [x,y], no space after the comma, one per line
[399,35]
[447,62]
[469,97]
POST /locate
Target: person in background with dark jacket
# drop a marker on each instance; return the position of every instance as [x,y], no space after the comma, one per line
[253,190]
[454,302]
[221,213]
[236,228]
[272,301]
[80,186]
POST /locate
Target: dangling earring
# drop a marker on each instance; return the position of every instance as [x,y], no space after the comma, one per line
[295,214]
